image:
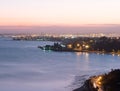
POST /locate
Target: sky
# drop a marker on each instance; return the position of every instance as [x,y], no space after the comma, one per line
[59,14]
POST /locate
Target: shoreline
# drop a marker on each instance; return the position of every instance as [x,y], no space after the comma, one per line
[105,82]
[96,52]
[100,52]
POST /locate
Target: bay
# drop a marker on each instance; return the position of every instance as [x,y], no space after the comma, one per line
[24,67]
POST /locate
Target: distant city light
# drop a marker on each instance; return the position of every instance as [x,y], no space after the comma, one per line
[87,46]
[69,45]
[78,45]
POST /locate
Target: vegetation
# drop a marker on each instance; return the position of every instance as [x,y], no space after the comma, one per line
[88,44]
[102,44]
[105,82]
[107,44]
[111,81]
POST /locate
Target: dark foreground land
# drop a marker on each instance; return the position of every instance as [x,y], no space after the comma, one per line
[105,82]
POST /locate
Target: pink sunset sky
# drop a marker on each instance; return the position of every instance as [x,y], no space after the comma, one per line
[59,16]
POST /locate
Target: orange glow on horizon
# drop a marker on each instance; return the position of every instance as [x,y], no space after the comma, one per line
[62,21]
[33,23]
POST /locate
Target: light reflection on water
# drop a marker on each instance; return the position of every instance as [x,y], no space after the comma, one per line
[24,66]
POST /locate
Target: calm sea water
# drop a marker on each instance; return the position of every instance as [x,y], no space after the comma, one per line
[24,67]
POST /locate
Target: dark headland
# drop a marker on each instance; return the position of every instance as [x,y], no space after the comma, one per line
[106,82]
[96,45]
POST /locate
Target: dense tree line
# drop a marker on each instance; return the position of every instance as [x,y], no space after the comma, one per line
[107,44]
[111,81]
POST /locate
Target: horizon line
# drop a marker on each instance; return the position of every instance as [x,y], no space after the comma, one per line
[57,25]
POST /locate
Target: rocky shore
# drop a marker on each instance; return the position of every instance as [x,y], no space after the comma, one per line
[106,82]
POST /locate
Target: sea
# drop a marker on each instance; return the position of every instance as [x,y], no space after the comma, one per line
[24,67]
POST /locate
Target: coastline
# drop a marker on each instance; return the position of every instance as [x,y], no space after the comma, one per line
[96,52]
[105,82]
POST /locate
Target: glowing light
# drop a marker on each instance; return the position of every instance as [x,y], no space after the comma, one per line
[94,85]
[98,81]
[62,45]
[83,45]
[69,45]
[87,46]
[78,45]
[100,78]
